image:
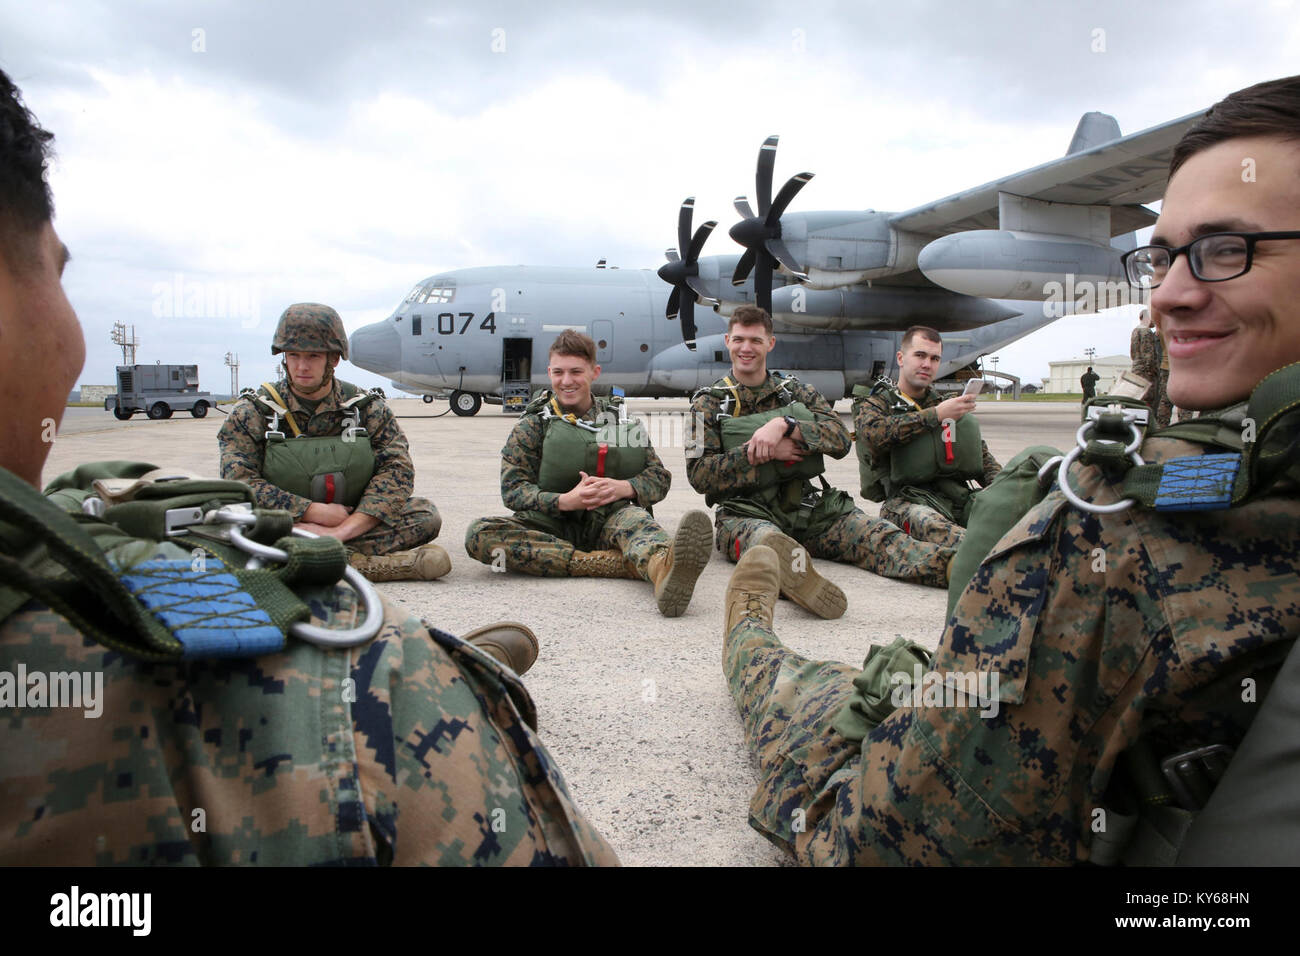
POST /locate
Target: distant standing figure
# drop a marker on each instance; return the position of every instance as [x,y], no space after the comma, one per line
[1089,380]
[1147,350]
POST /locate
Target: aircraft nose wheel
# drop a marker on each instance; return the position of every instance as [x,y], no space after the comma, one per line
[465,403]
[428,399]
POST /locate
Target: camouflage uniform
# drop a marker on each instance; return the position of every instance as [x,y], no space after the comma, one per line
[429,756]
[541,539]
[1088,381]
[870,543]
[1155,643]
[880,429]
[404,522]
[1150,360]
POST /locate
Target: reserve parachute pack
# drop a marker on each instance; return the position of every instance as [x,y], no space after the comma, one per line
[333,469]
[784,493]
[1155,801]
[612,447]
[931,469]
[165,567]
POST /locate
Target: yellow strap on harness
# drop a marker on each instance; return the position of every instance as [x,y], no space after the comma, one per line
[288,415]
[735,391]
[567,416]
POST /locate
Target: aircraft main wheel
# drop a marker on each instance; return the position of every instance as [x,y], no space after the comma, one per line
[465,403]
[159,410]
[122,414]
[199,410]
[428,399]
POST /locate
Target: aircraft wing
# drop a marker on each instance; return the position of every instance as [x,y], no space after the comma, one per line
[1122,174]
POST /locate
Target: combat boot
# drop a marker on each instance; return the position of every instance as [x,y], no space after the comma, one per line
[425,563]
[753,588]
[800,581]
[601,564]
[675,569]
[510,642]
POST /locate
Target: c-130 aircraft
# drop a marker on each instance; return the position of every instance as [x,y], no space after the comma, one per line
[985,267]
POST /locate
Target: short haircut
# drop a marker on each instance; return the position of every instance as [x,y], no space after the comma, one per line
[922,330]
[573,342]
[1271,108]
[25,201]
[750,315]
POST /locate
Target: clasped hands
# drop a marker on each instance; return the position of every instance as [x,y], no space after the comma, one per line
[770,444]
[335,521]
[592,492]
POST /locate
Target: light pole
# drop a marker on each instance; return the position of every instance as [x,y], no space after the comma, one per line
[232,360]
[997,388]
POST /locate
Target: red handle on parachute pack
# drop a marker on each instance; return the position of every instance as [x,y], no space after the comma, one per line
[600,459]
[329,489]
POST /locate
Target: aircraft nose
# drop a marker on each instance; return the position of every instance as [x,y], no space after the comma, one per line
[377,348]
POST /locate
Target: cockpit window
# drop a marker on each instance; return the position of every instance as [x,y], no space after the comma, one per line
[413,294]
[442,292]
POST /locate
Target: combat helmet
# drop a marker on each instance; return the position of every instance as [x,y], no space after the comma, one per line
[310,327]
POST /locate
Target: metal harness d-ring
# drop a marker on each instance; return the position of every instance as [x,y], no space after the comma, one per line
[323,637]
[1081,442]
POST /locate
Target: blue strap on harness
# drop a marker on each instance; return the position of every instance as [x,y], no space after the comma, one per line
[1197,483]
[207,610]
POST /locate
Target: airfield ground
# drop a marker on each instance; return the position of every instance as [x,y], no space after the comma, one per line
[633,706]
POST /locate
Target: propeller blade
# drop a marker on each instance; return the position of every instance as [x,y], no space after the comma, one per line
[697,243]
[674,298]
[742,268]
[684,223]
[671,254]
[763,176]
[763,282]
[688,322]
[742,207]
[788,192]
[781,252]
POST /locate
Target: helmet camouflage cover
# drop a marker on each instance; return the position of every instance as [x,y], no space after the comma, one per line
[310,327]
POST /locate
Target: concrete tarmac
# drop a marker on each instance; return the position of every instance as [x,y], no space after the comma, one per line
[633,706]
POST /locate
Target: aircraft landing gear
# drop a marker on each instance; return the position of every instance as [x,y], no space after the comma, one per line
[465,403]
[428,399]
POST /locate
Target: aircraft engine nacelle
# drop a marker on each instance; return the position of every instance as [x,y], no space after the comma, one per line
[1001,264]
[885,309]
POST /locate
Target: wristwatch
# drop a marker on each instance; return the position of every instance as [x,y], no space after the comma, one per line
[791,424]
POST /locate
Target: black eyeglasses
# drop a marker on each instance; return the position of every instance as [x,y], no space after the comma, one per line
[1213,258]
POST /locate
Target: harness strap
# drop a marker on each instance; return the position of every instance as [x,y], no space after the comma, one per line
[283,409]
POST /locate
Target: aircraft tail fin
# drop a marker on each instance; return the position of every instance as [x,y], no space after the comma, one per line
[1094,129]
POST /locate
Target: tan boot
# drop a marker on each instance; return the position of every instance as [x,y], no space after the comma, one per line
[510,642]
[675,569]
[753,589]
[425,563]
[800,581]
[601,564]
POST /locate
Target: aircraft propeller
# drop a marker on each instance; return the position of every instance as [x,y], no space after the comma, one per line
[761,234]
[678,271]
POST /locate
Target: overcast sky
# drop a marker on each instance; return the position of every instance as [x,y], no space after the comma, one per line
[276,152]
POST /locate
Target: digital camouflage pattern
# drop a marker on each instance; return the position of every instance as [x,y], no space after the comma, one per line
[880,429]
[1152,363]
[540,538]
[428,756]
[1100,628]
[310,327]
[857,538]
[404,522]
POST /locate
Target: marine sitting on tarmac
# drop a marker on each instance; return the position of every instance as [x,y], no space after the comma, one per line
[581,478]
[297,445]
[918,451]
[1101,666]
[125,740]
[757,444]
